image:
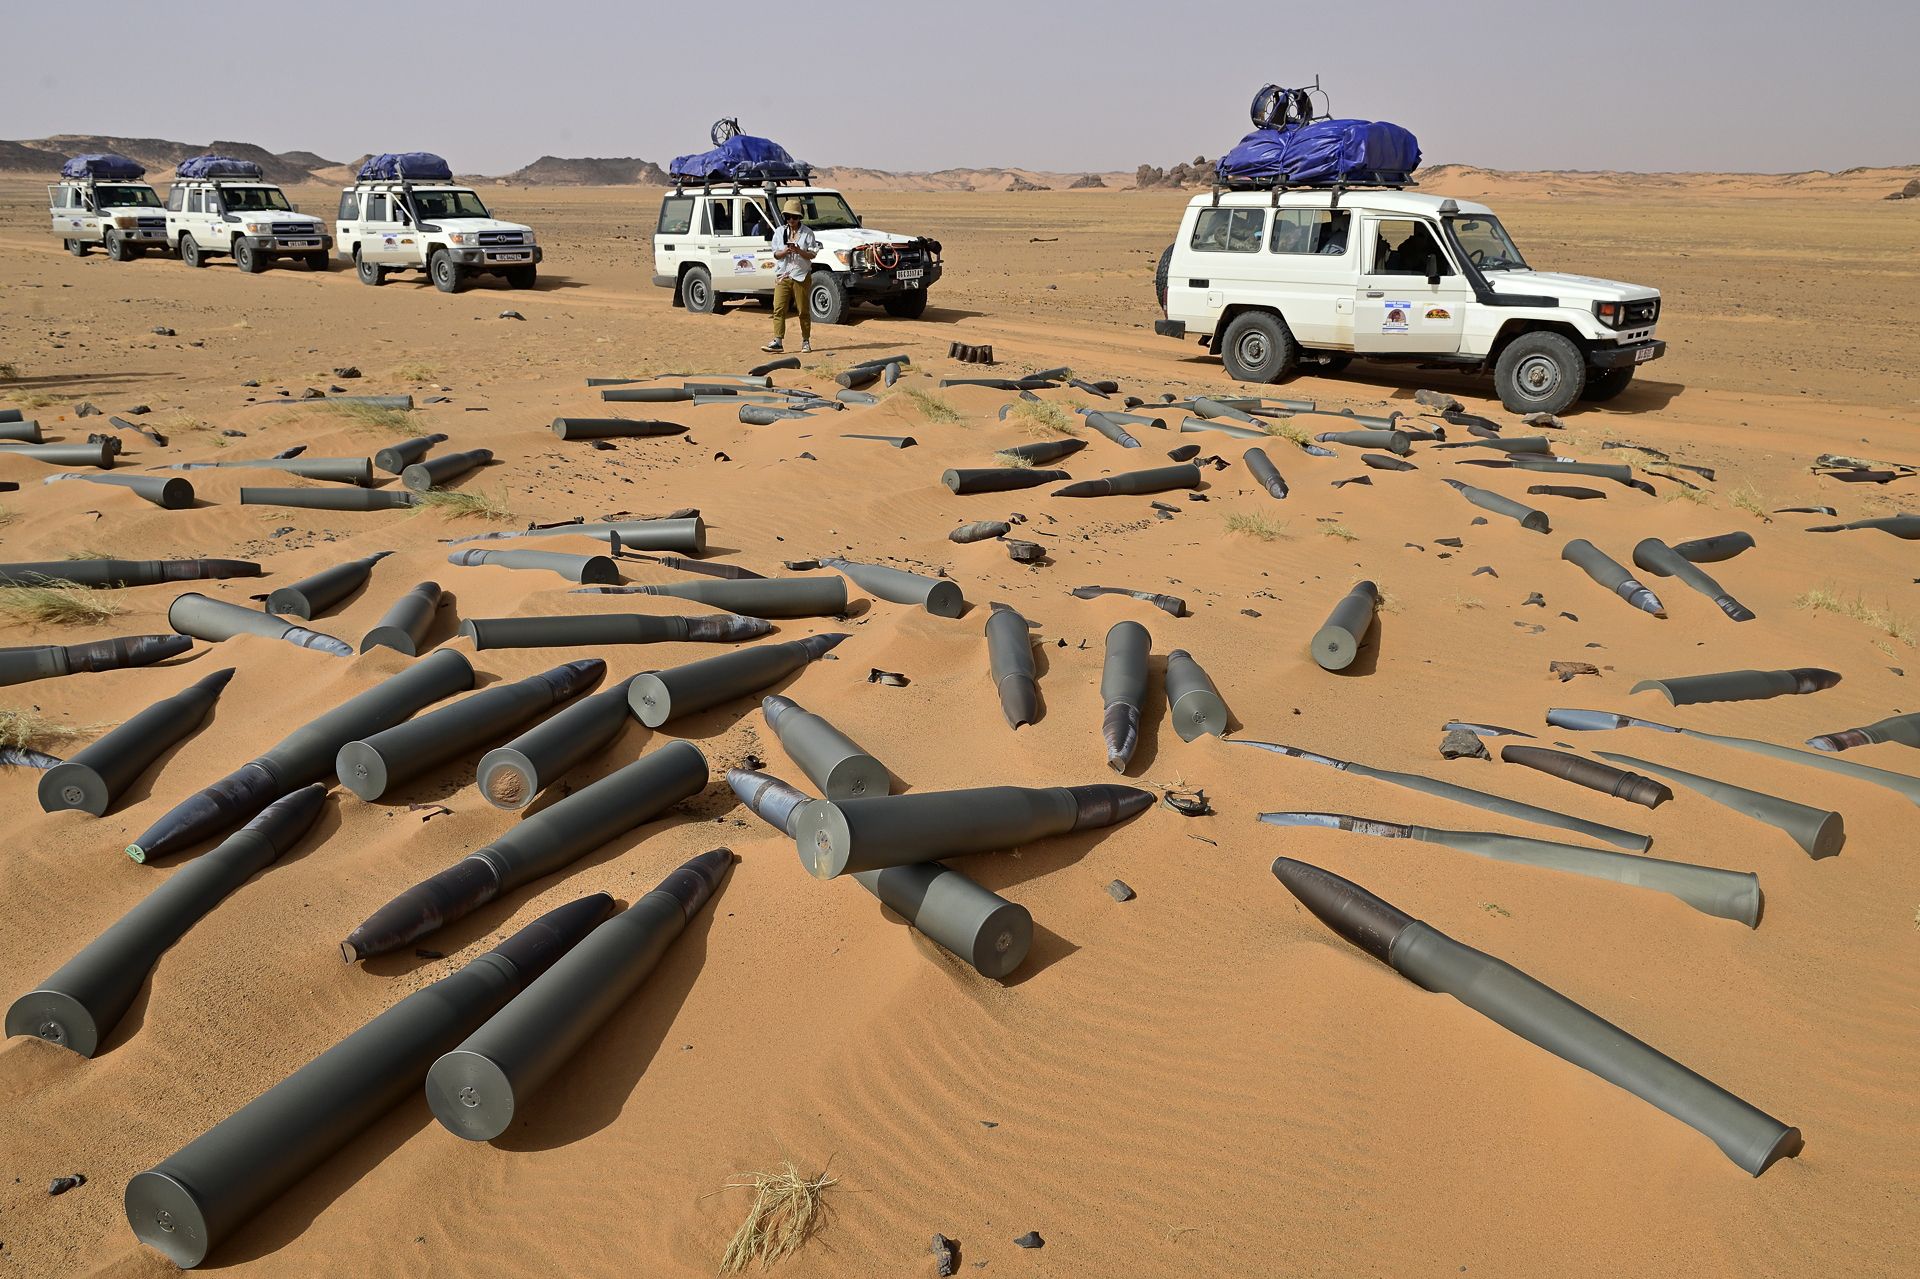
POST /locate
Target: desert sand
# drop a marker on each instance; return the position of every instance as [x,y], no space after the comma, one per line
[1203,1081]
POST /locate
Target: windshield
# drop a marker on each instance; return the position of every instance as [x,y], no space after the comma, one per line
[445,206]
[825,211]
[120,197]
[254,199]
[1486,243]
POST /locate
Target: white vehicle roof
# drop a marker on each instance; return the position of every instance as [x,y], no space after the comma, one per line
[729,190]
[1412,203]
[396,184]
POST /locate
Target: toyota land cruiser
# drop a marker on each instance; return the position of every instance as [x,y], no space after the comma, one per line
[100,199]
[221,205]
[405,213]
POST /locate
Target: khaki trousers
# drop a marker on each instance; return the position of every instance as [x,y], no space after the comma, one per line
[791,295]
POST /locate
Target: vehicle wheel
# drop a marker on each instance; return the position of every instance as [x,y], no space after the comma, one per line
[1540,373]
[910,305]
[446,273]
[319,262]
[696,291]
[248,258]
[522,277]
[1257,348]
[79,248]
[1602,387]
[118,249]
[190,252]
[369,272]
[1160,278]
[827,298]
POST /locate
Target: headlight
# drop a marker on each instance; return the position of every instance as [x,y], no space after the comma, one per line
[1610,314]
[527,234]
[459,237]
[843,257]
[259,228]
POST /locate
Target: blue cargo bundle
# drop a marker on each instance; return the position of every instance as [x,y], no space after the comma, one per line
[103,168]
[406,166]
[1290,148]
[741,158]
[218,166]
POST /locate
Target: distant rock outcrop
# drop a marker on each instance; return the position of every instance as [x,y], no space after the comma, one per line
[624,171]
[1911,191]
[1198,173]
[1021,184]
[158,155]
[1086,182]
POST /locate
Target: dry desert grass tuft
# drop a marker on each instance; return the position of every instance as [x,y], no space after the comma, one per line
[32,731]
[398,421]
[932,407]
[1045,419]
[787,1210]
[56,603]
[1264,527]
[465,504]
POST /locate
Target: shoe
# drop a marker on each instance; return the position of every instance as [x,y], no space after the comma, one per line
[806,347]
[773,346]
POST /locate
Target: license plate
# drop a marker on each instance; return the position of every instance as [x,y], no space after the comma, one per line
[509,257]
[910,275]
[1645,353]
[301,244]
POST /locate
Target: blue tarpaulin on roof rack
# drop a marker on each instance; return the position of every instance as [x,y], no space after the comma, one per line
[741,158]
[414,166]
[1323,152]
[108,167]
[217,166]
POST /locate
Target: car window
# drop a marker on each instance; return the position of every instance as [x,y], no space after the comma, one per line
[1402,246]
[1228,230]
[349,205]
[377,208]
[196,202]
[176,198]
[713,218]
[1311,231]
[753,220]
[676,215]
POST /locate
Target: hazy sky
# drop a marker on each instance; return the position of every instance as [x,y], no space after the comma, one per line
[1762,85]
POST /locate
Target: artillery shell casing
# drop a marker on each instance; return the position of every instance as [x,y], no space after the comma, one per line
[96,776]
[769,597]
[597,570]
[940,596]
[373,766]
[659,696]
[1395,442]
[1740,686]
[1486,500]
[1591,774]
[79,1006]
[1261,467]
[316,594]
[980,531]
[1192,425]
[1112,429]
[204,617]
[511,776]
[190,1202]
[45,661]
[1159,479]
[118,573]
[608,628]
[982,928]
[998,479]
[1040,452]
[1338,640]
[1123,690]
[396,458]
[348,499]
[99,455]
[405,624]
[1193,704]
[1010,661]
[422,477]
[612,428]
[832,761]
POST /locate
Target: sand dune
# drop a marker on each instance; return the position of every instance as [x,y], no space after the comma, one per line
[1200,1082]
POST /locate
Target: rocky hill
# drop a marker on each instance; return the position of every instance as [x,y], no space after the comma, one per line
[553,170]
[42,157]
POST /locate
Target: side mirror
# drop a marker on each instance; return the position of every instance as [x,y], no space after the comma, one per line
[1433,268]
[859,220]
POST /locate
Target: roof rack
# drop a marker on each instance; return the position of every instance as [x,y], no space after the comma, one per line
[1351,182]
[802,176]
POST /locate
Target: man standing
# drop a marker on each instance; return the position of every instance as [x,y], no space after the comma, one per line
[794,247]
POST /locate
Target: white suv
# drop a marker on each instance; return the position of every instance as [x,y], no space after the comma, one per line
[100,199]
[221,205]
[715,242]
[413,217]
[1273,279]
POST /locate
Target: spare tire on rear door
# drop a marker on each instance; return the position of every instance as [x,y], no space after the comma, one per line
[1160,278]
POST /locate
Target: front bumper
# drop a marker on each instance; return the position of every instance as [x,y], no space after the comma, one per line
[1626,355]
[870,282]
[139,235]
[490,258]
[320,243]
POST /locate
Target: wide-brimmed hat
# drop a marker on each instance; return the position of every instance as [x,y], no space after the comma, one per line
[792,209]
